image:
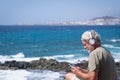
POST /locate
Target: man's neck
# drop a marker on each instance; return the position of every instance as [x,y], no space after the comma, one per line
[96,46]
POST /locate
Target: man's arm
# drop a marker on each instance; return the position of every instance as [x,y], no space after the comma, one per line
[82,73]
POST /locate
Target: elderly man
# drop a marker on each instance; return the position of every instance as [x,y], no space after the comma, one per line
[101,65]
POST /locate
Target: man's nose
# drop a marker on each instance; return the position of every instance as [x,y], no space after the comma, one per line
[85,47]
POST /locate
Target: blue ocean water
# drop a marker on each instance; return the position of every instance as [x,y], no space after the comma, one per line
[62,43]
[40,41]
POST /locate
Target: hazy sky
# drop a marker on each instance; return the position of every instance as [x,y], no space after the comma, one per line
[46,11]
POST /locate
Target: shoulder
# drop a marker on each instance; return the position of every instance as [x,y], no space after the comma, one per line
[99,50]
[100,53]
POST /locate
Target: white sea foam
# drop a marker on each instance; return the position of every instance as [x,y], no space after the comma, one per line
[115,40]
[31,75]
[44,75]
[14,74]
[18,57]
[71,58]
[116,56]
[110,46]
[59,56]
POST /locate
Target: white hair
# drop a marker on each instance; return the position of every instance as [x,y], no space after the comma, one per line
[91,34]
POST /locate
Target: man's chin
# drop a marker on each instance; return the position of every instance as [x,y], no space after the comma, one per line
[89,51]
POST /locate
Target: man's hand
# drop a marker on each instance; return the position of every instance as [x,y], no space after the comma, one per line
[75,69]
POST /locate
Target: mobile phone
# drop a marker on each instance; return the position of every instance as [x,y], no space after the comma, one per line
[71,65]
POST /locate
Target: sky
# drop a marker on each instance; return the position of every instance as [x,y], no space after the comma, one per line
[52,11]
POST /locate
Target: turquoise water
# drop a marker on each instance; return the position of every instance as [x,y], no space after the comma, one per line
[40,41]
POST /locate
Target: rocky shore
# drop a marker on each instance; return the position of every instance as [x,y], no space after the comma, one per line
[42,64]
[45,64]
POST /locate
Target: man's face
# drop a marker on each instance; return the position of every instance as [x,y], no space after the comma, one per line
[87,46]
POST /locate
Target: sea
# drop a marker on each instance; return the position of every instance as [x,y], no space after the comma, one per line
[60,42]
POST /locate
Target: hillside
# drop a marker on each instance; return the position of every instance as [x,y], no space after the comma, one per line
[106,20]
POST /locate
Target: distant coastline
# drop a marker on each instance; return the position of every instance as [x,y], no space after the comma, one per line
[105,20]
[55,25]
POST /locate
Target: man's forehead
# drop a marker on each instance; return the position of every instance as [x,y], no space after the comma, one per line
[84,41]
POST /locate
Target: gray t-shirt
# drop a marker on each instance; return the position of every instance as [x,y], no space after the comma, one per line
[100,59]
